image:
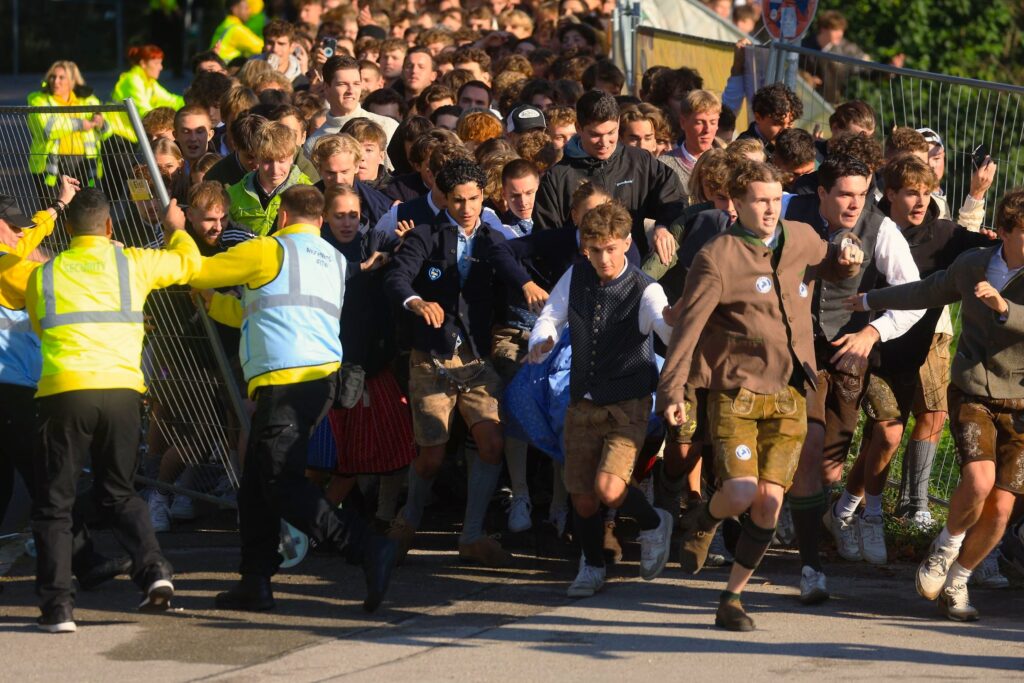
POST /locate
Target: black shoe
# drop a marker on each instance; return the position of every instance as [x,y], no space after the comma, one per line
[58,619]
[732,617]
[159,590]
[102,569]
[378,563]
[251,594]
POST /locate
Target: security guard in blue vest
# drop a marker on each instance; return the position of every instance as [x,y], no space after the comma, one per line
[290,350]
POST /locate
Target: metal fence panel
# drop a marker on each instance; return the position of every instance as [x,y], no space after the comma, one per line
[195,415]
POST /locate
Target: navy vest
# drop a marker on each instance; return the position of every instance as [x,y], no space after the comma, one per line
[611,359]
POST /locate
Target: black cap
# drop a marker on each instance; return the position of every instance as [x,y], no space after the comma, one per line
[11,214]
[523,118]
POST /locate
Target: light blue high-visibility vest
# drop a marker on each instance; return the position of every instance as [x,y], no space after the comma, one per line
[294,320]
[21,360]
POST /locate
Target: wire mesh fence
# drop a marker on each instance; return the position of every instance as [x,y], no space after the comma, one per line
[194,420]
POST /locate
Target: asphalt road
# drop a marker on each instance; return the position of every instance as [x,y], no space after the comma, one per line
[446,621]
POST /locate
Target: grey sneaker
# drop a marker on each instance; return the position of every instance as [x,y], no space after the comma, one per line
[654,546]
[813,589]
[588,581]
[987,574]
[844,530]
[955,603]
[931,573]
[872,539]
[718,554]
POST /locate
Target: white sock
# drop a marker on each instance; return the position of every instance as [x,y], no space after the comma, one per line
[872,505]
[957,574]
[950,542]
[847,504]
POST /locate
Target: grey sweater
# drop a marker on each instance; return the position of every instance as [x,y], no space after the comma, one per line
[989,359]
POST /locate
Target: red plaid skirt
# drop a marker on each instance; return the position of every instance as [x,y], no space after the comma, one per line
[375,436]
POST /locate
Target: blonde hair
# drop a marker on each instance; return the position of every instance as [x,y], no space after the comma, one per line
[331,145]
[700,102]
[252,72]
[167,147]
[517,18]
[277,141]
[743,148]
[70,68]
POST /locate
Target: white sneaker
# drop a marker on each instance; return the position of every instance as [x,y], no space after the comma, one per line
[844,530]
[785,532]
[872,539]
[588,581]
[159,512]
[558,517]
[931,573]
[987,574]
[183,507]
[812,586]
[519,514]
[922,520]
[955,603]
[718,554]
[654,546]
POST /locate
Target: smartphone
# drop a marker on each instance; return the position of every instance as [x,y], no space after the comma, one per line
[329,45]
[979,155]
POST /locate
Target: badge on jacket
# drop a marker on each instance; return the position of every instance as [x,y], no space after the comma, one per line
[803,290]
[434,273]
[763,284]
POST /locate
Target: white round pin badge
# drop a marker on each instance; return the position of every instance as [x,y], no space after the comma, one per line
[763,284]
[743,452]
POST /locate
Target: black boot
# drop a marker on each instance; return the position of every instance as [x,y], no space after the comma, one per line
[378,563]
[100,569]
[251,594]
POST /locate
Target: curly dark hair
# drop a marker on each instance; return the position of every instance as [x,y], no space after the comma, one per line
[460,171]
[794,147]
[776,101]
[860,146]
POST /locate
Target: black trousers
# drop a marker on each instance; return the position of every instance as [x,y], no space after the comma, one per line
[17,454]
[274,484]
[100,426]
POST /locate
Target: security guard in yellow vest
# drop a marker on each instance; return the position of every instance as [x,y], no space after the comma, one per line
[20,364]
[290,350]
[86,306]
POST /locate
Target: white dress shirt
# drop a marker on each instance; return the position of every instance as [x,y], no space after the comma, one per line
[895,263]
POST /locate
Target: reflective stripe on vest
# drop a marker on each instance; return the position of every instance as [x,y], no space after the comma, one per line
[51,318]
[294,297]
[287,325]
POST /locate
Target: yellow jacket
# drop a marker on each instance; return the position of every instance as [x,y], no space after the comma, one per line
[234,39]
[254,263]
[88,280]
[15,268]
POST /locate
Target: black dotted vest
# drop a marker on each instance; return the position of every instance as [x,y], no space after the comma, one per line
[611,359]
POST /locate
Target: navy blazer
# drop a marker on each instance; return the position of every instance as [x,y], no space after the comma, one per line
[426,266]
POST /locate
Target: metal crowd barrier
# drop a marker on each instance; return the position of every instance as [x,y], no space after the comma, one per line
[195,416]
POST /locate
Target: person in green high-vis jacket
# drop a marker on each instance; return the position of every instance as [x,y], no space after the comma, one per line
[140,84]
[234,38]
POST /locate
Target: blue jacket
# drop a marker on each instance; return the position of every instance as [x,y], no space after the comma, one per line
[426,266]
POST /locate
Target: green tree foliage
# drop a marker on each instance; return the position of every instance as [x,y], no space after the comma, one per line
[972,38]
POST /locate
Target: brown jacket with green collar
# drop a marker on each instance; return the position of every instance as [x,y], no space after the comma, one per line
[749,306]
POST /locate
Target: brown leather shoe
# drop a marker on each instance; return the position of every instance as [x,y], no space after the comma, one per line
[485,551]
[732,617]
[693,549]
[612,547]
[401,533]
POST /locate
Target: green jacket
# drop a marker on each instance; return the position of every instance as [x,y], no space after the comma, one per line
[245,202]
[234,39]
[56,135]
[147,93]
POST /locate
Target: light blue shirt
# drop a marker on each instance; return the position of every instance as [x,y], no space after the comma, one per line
[464,253]
[998,273]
